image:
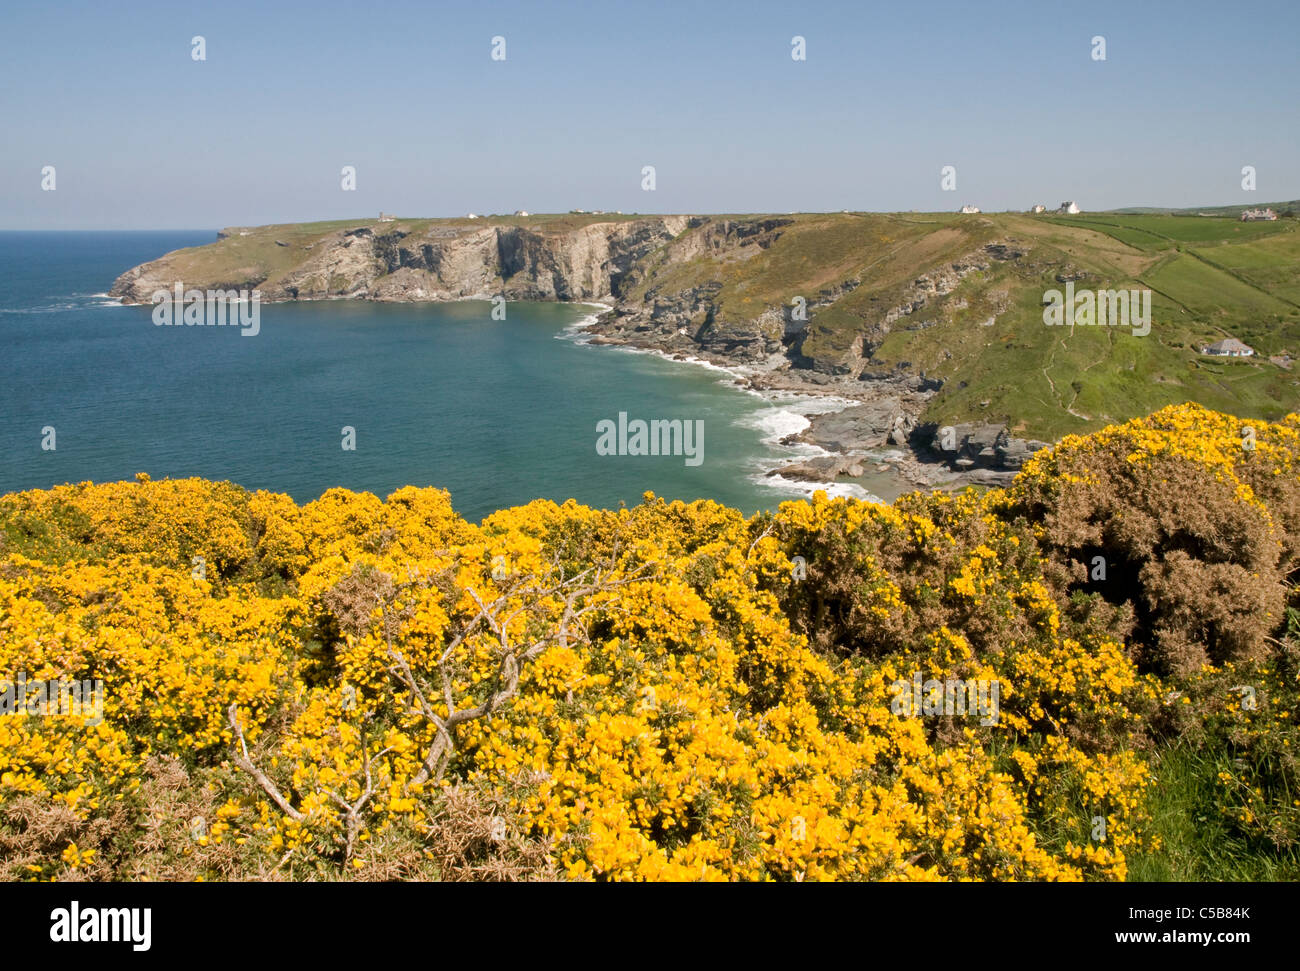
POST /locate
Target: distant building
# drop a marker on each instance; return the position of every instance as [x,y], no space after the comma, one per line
[1068,208]
[1258,215]
[1039,208]
[521,212]
[385,217]
[1228,347]
[470,215]
[969,209]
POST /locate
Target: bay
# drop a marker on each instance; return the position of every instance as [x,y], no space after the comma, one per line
[499,412]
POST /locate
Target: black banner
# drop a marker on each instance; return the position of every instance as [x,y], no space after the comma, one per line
[141,922]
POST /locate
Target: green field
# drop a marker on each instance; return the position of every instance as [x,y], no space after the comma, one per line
[1159,232]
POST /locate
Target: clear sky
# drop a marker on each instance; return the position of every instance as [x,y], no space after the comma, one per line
[142,136]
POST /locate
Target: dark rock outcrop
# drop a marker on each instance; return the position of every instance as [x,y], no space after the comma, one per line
[979,445]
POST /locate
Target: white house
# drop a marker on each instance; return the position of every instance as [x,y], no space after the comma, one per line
[521,212]
[385,217]
[1069,208]
[1228,347]
[470,215]
[969,209]
[1039,208]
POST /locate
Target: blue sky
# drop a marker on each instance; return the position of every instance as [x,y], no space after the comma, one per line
[144,137]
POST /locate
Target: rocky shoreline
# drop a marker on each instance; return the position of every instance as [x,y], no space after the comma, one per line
[878,428]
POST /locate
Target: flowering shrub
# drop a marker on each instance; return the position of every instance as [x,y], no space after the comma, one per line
[1196,517]
[365,689]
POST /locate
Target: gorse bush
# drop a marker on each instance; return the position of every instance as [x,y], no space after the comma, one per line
[366,689]
[1194,516]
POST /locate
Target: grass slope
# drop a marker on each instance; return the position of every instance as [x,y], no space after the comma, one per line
[1210,278]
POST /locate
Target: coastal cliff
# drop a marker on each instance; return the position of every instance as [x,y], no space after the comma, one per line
[930,322]
[434,260]
[631,262]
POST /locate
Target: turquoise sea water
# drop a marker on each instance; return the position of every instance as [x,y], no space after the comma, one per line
[498,412]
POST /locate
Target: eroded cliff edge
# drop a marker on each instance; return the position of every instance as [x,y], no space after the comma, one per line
[807,315]
[427,260]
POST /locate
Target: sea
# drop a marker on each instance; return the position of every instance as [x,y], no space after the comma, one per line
[498,412]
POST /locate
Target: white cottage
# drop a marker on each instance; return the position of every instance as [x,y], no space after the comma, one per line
[1228,347]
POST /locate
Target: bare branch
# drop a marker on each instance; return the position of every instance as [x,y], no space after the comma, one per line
[496,618]
[244,762]
[767,531]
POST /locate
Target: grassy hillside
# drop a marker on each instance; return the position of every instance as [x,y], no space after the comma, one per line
[1210,278]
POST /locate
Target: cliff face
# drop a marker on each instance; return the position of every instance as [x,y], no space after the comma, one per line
[672,306]
[805,302]
[434,262]
[633,263]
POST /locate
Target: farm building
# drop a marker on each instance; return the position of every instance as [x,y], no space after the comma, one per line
[1258,215]
[1228,347]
